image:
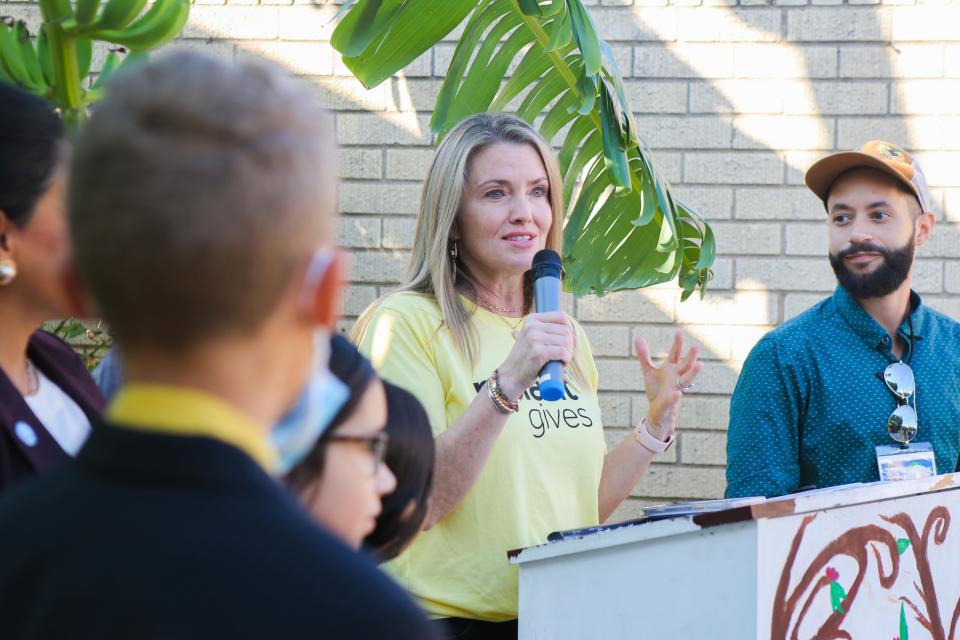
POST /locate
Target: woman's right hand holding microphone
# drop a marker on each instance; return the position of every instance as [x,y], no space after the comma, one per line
[543,337]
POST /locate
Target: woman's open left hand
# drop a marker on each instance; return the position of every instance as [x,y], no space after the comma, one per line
[663,384]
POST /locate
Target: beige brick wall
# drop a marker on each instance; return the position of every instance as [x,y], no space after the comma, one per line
[736,100]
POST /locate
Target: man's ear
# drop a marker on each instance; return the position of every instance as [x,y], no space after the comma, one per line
[925,224]
[324,302]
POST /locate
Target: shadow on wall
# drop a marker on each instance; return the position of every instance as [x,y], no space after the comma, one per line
[736,102]
[769,91]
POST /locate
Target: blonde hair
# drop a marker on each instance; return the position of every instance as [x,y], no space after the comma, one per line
[431,271]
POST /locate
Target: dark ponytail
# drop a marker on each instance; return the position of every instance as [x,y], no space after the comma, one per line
[30,134]
[410,456]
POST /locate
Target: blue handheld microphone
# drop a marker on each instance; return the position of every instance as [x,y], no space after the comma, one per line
[547,275]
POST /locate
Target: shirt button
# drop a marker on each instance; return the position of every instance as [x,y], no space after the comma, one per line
[885,341]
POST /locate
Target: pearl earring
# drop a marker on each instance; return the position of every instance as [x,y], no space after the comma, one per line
[8,271]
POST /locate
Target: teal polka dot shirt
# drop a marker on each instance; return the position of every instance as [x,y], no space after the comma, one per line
[809,409]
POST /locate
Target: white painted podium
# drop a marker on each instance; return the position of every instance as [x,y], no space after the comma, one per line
[857,562]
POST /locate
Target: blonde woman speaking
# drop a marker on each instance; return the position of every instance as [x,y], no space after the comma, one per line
[460,335]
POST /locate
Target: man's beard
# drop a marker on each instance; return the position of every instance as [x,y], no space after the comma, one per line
[883,280]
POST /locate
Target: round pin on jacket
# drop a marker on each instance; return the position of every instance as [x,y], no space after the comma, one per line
[26,434]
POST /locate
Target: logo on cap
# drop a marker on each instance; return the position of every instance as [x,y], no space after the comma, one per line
[894,153]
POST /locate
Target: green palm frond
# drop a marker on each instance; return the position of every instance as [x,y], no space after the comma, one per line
[624,229]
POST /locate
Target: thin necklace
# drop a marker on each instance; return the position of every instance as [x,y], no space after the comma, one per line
[498,310]
[514,329]
[33,379]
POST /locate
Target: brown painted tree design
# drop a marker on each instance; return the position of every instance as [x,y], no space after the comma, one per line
[787,619]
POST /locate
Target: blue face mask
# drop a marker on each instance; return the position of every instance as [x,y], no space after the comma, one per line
[297,432]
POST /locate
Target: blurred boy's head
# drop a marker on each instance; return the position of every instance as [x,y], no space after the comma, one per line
[200,192]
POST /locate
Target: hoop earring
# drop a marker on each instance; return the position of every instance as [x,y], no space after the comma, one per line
[8,271]
[454,252]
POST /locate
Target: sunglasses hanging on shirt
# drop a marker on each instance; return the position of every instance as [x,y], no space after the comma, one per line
[903,423]
[906,461]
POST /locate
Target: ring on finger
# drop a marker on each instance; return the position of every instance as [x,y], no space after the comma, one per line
[684,387]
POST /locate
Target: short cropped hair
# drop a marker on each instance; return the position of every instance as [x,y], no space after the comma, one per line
[198,188]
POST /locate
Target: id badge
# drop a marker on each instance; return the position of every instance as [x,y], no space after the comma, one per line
[906,463]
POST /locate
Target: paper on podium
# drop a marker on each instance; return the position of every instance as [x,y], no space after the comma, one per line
[699,506]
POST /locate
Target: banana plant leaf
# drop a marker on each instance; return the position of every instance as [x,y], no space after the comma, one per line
[623,227]
[54,62]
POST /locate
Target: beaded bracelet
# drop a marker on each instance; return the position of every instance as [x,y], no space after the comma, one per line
[500,401]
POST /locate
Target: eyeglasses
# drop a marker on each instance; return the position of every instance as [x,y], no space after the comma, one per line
[902,423]
[376,445]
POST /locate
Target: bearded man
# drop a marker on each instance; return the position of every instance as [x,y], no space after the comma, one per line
[835,395]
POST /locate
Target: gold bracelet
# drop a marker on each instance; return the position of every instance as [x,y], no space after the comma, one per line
[512,405]
[495,400]
[500,401]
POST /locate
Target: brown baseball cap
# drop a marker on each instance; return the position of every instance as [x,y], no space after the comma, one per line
[876,154]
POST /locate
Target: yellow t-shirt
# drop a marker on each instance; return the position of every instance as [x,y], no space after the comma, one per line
[542,475]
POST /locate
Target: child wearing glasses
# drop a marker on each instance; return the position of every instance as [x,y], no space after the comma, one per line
[342,479]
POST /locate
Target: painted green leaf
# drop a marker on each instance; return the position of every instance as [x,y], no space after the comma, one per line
[902,545]
[904,632]
[837,596]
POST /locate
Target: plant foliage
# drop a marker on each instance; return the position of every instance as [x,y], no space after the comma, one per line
[54,62]
[624,229]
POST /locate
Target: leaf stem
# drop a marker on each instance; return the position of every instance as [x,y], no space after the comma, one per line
[543,39]
[68,87]
[563,68]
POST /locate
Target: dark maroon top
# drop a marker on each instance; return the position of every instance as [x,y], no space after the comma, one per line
[26,447]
